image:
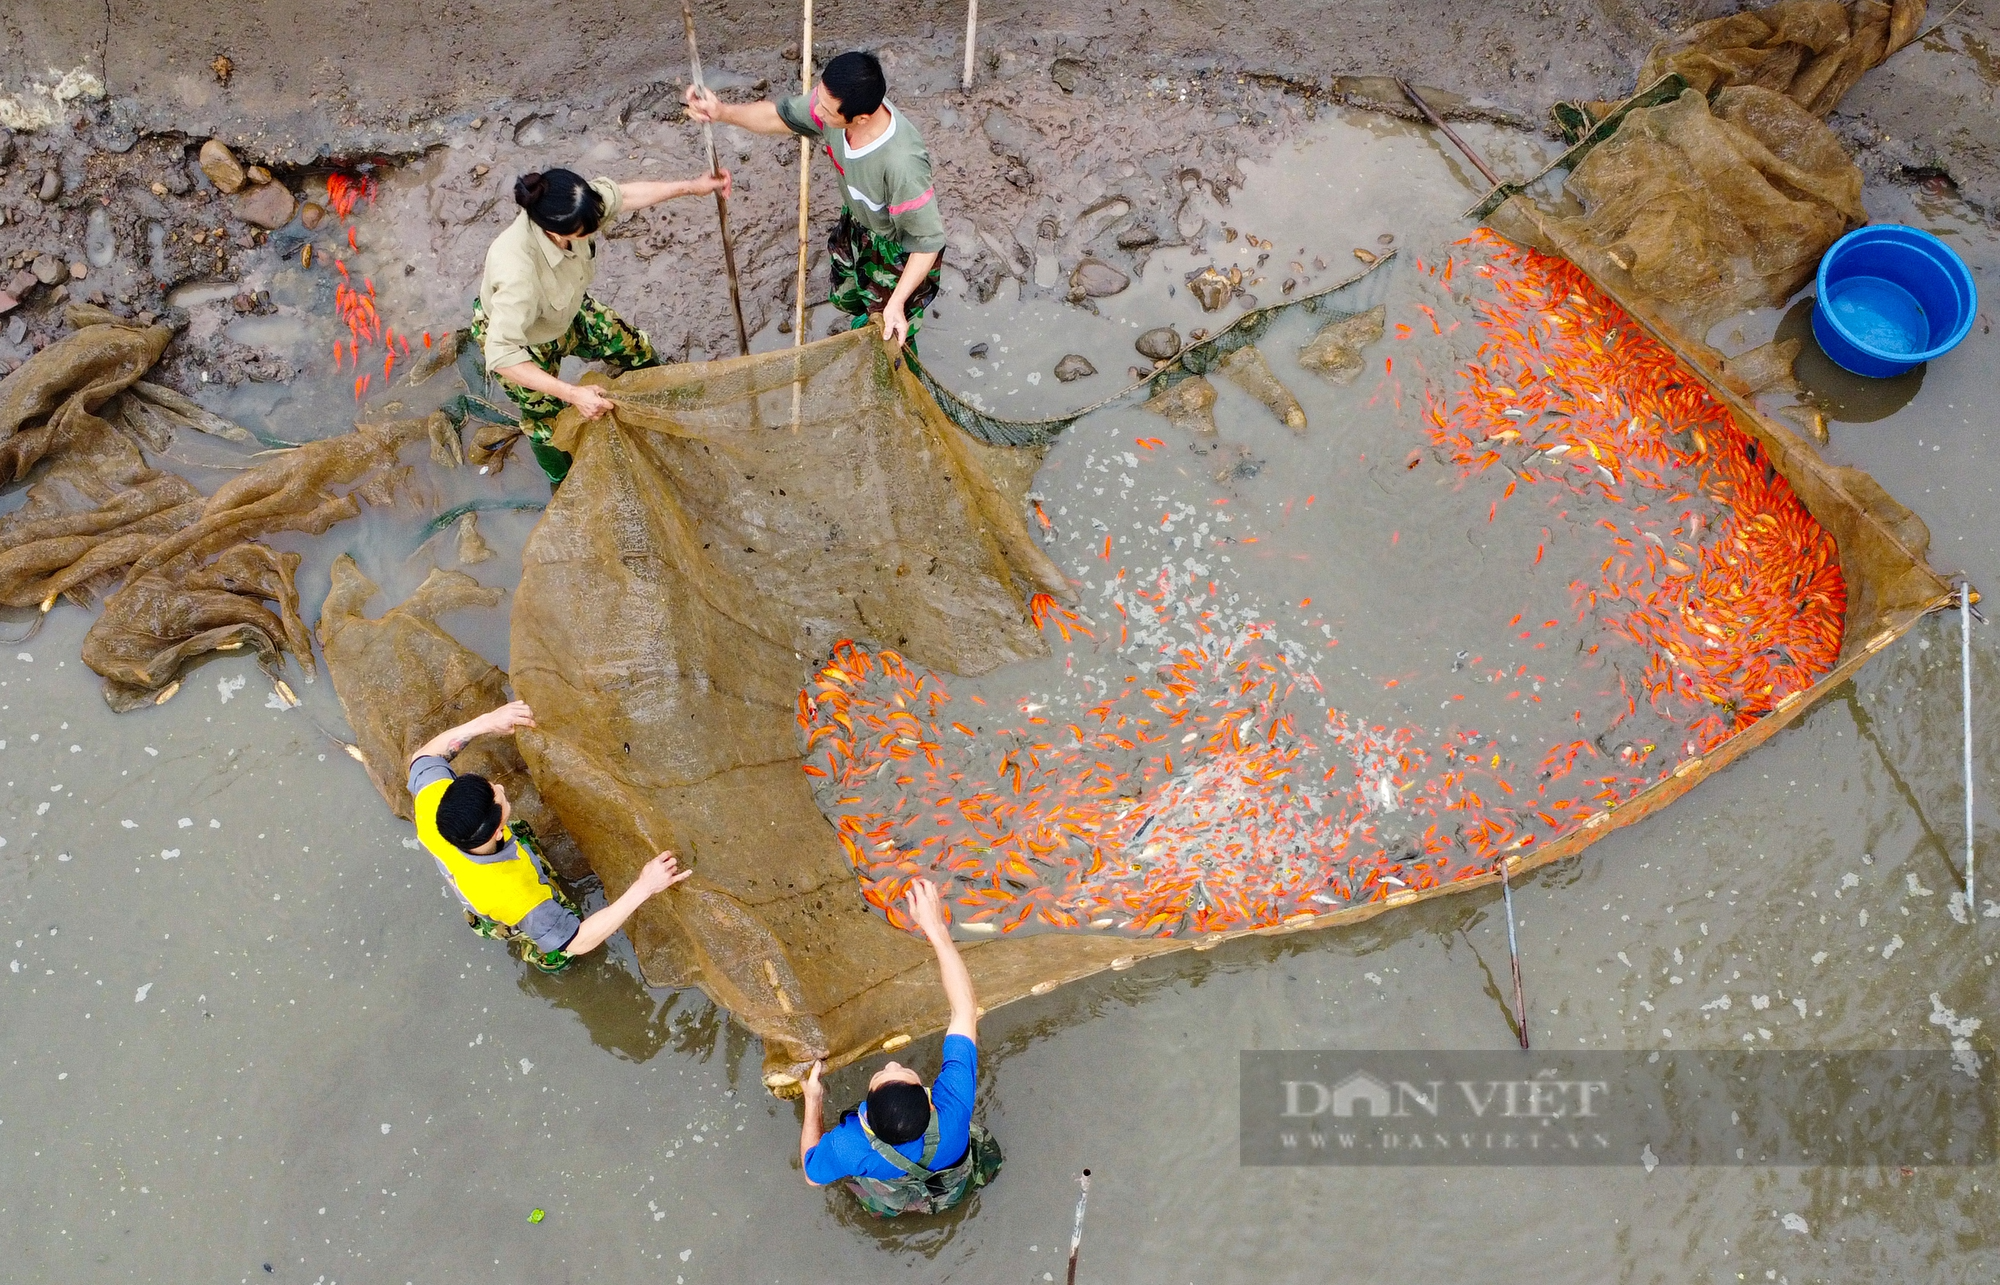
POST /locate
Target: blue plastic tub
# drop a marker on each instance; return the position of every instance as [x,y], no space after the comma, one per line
[1891,298]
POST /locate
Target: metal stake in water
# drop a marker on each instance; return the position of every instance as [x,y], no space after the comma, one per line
[1076,1232]
[1965,691]
[1514,952]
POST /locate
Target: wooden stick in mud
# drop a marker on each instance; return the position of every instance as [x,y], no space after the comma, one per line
[1965,676]
[1448,131]
[805,159]
[1514,952]
[721,205]
[971,30]
[1076,1231]
[805,192]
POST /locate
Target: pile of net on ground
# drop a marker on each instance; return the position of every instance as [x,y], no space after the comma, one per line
[179,574]
[1724,197]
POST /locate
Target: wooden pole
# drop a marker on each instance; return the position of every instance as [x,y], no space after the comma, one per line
[971,31]
[805,194]
[1450,133]
[721,205]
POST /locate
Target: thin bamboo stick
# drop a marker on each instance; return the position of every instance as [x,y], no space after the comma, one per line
[721,205]
[1076,1230]
[805,193]
[805,159]
[971,31]
[1514,951]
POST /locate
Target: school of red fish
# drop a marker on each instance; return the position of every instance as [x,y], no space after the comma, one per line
[1208,784]
[356,306]
[1737,611]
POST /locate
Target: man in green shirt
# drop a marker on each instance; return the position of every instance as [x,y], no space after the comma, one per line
[886,250]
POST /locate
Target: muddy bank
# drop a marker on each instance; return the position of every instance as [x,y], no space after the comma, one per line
[1077,141]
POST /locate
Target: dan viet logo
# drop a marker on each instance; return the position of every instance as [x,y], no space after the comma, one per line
[1364,1094]
[1462,1116]
[1634,1107]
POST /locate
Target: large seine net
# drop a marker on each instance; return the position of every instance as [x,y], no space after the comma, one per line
[754,620]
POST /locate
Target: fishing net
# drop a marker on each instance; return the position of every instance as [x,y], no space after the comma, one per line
[1718,186]
[1811,51]
[183,574]
[201,588]
[402,679]
[809,663]
[698,565]
[95,506]
[1352,301]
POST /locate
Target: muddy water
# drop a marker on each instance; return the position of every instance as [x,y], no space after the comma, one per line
[247,1027]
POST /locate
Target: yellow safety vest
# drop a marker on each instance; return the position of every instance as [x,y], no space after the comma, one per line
[504,891]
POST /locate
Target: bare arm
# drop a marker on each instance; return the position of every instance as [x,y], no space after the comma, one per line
[815,1109]
[641,193]
[758,118]
[929,913]
[656,875]
[895,323]
[494,722]
[591,401]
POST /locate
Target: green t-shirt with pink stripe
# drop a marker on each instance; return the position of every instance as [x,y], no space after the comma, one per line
[887,184]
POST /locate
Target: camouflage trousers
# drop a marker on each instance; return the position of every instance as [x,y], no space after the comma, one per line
[866,267]
[595,334]
[523,946]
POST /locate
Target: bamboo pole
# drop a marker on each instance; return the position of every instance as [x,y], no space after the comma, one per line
[805,194]
[971,31]
[721,205]
[805,159]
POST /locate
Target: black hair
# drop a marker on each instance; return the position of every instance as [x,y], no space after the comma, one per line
[559,201]
[469,812]
[899,1111]
[855,79]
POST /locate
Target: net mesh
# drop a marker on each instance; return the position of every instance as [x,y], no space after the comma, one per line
[402,679]
[736,616]
[1351,299]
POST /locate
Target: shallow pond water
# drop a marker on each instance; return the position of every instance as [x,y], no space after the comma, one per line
[245,1026]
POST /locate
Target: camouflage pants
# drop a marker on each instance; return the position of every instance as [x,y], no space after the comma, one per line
[866,267]
[596,334]
[523,946]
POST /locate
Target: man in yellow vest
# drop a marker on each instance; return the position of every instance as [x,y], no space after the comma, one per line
[496,869]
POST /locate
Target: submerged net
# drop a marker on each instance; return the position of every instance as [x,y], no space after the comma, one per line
[775,653]
[1353,298]
[402,679]
[1231,781]
[180,575]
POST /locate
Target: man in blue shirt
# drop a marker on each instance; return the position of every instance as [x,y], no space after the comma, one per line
[908,1149]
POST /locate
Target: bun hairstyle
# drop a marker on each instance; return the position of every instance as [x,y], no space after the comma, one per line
[559,201]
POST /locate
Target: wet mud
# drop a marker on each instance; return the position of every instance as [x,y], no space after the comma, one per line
[250,1029]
